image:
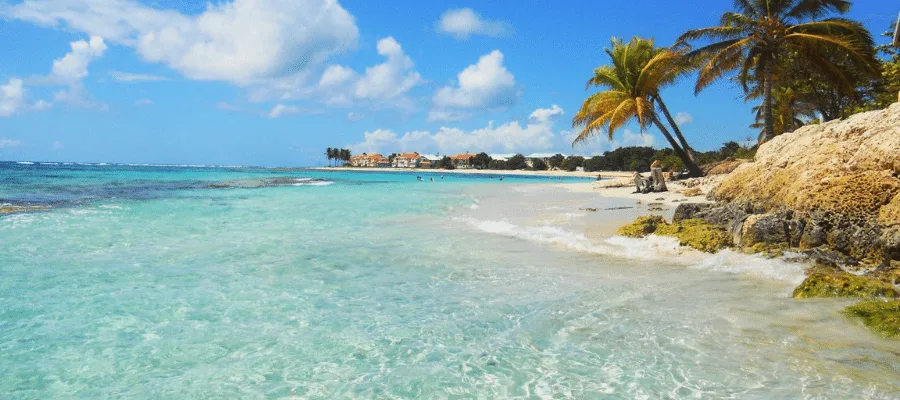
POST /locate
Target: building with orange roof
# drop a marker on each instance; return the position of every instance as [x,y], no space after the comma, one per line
[407,160]
[369,161]
[462,161]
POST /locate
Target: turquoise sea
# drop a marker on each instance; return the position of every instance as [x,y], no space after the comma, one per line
[190,282]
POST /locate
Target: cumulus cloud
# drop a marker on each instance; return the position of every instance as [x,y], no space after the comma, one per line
[390,79]
[240,41]
[128,77]
[683,118]
[546,114]
[464,22]
[73,66]
[12,98]
[536,135]
[485,84]
[384,84]
[5,143]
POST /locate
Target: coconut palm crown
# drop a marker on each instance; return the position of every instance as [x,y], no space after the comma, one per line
[753,39]
[633,81]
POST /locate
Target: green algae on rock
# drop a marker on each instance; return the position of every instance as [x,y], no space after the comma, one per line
[694,233]
[881,316]
[829,282]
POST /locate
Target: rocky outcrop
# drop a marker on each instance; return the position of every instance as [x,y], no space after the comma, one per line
[834,187]
[881,316]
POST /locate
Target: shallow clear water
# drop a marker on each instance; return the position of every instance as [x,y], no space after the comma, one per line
[173,282]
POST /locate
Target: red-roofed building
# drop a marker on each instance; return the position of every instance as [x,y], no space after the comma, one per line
[407,160]
[462,161]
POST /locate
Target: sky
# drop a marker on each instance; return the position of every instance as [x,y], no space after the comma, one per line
[275,82]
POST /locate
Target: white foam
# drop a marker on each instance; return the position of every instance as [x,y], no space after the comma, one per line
[652,248]
[314,183]
[25,163]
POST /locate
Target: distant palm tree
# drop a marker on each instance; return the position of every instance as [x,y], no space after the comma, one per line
[762,32]
[638,72]
[330,154]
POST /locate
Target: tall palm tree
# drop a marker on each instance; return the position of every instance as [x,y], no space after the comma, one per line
[762,32]
[638,72]
[330,154]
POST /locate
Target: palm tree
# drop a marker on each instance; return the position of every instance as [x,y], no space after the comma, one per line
[762,32]
[638,72]
[330,154]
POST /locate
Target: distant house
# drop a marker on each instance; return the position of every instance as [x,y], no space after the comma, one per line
[407,160]
[429,161]
[462,161]
[369,161]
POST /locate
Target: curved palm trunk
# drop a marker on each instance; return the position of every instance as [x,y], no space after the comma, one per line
[665,110]
[767,102]
[688,161]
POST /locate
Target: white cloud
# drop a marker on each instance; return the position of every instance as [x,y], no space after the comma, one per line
[281,110]
[5,143]
[57,145]
[128,77]
[464,22]
[509,137]
[683,118]
[12,98]
[390,79]
[240,41]
[143,102]
[352,116]
[546,114]
[384,84]
[486,84]
[72,67]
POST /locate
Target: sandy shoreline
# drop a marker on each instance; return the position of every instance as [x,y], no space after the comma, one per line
[573,174]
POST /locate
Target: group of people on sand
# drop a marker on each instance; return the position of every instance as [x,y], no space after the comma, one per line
[655,183]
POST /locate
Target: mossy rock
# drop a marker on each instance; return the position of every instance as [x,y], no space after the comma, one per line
[828,282]
[642,226]
[693,233]
[770,250]
[881,316]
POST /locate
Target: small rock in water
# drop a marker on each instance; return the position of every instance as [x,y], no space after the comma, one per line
[618,208]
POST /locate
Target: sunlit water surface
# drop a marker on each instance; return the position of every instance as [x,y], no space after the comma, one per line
[176,282]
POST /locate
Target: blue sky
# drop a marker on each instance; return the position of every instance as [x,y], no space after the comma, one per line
[274,82]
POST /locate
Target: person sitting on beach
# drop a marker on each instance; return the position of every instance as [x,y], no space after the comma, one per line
[657,180]
[640,183]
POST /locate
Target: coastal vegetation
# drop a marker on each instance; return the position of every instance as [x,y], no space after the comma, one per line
[638,72]
[335,155]
[770,42]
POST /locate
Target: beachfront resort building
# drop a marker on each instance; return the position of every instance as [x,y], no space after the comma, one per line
[462,161]
[407,160]
[370,161]
[429,161]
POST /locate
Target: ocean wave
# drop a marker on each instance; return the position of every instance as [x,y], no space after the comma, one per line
[25,163]
[651,248]
[314,183]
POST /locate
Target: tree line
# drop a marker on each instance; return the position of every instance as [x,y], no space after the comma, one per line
[334,155]
[800,59]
